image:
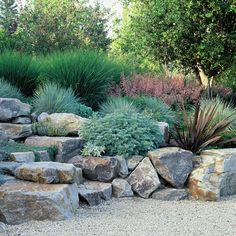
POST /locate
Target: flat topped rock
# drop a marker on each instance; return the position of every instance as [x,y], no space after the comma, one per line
[94,192]
[22,201]
[11,108]
[170,194]
[68,147]
[9,168]
[172,164]
[102,169]
[215,176]
[16,131]
[47,172]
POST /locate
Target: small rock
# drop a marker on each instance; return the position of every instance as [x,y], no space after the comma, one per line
[95,168]
[11,108]
[42,117]
[67,147]
[121,188]
[3,227]
[16,131]
[94,192]
[22,201]
[133,162]
[170,194]
[144,179]
[22,157]
[123,166]
[164,128]
[172,164]
[6,178]
[47,172]
[42,156]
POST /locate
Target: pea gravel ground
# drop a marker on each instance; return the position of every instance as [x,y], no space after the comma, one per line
[140,217]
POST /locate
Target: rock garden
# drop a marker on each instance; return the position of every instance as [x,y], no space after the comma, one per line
[117,117]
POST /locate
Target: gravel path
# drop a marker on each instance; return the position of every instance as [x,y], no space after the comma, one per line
[139,217]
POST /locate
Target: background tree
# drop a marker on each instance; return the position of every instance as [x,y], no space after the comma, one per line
[197,36]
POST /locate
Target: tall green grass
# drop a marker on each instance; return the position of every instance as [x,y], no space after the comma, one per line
[20,70]
[88,73]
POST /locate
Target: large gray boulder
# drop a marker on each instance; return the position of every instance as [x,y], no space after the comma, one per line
[11,108]
[170,194]
[95,168]
[215,176]
[48,172]
[16,131]
[9,168]
[94,192]
[67,147]
[172,164]
[22,157]
[69,121]
[144,179]
[121,188]
[22,201]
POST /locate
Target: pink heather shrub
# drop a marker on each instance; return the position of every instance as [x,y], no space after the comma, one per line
[170,90]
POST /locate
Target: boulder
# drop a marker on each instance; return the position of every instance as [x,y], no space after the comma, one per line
[133,162]
[69,121]
[164,128]
[67,147]
[3,137]
[95,192]
[16,131]
[144,179]
[11,108]
[170,194]
[121,188]
[103,169]
[21,120]
[123,166]
[22,157]
[9,168]
[215,177]
[22,201]
[172,164]
[47,172]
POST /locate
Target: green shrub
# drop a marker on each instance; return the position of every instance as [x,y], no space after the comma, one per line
[9,91]
[155,109]
[117,104]
[20,70]
[51,98]
[123,133]
[9,147]
[83,111]
[48,129]
[88,73]
[92,150]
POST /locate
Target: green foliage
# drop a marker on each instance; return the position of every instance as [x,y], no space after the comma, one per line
[88,73]
[155,109]
[224,111]
[83,110]
[117,104]
[195,35]
[49,129]
[123,133]
[8,15]
[9,147]
[44,26]
[19,70]
[92,150]
[201,129]
[9,91]
[51,98]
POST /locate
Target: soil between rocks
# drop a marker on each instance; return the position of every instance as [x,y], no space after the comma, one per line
[140,217]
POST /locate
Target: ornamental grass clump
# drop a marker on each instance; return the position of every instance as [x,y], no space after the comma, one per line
[123,133]
[204,127]
[20,70]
